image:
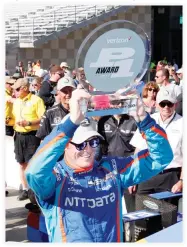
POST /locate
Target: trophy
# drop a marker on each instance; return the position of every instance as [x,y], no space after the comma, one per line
[115,57]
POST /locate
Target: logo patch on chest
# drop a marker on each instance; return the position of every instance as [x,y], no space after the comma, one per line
[57,120]
[106,127]
[89,202]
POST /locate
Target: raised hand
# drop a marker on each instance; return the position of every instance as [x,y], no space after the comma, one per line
[76,114]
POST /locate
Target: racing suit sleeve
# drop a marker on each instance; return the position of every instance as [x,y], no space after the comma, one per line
[39,172]
[148,162]
[45,127]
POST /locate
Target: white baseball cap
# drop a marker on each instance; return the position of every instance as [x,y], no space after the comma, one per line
[21,82]
[41,72]
[85,131]
[64,64]
[166,94]
[179,71]
[65,82]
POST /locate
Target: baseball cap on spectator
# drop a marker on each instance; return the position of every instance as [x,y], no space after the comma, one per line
[9,80]
[85,131]
[21,82]
[166,94]
[65,82]
[55,69]
[41,73]
[179,71]
[65,65]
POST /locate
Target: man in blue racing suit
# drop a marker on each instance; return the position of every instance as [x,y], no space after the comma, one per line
[80,198]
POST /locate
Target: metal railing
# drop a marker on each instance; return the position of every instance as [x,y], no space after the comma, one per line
[31,29]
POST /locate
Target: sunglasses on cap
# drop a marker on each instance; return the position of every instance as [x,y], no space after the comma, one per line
[94,142]
[164,103]
[152,89]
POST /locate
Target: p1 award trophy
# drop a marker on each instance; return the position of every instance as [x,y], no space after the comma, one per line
[115,57]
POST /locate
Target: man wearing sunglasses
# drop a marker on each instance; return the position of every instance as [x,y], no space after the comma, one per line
[171,122]
[27,112]
[56,73]
[80,197]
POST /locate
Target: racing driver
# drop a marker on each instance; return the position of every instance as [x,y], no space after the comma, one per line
[81,199]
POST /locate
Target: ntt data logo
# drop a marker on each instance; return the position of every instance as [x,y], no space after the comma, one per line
[114,59]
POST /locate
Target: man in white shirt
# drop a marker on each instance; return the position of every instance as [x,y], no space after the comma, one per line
[162,79]
[180,75]
[171,178]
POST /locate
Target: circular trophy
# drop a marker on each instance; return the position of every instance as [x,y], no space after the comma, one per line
[115,55]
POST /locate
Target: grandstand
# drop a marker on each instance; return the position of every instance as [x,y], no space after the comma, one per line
[54,33]
[24,25]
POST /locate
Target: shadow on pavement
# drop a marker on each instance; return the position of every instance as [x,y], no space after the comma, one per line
[17,234]
[16,213]
[12,192]
[16,221]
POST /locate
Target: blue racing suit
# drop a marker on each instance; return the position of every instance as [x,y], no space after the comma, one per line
[86,206]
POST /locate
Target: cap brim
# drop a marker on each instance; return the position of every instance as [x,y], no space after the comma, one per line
[10,82]
[168,99]
[65,66]
[67,86]
[78,139]
[179,71]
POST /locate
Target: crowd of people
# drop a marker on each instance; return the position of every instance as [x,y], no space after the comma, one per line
[71,166]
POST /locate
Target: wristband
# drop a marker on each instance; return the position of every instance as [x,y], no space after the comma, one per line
[29,123]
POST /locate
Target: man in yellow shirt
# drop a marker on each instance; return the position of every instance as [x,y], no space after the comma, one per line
[27,111]
[9,121]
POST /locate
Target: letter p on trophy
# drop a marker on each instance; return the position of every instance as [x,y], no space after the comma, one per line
[115,57]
